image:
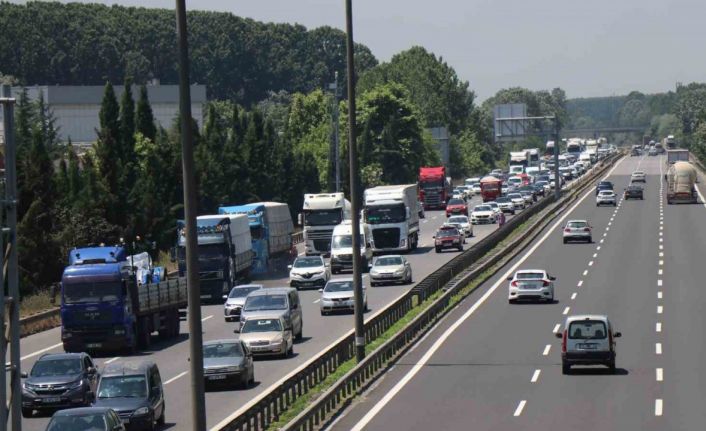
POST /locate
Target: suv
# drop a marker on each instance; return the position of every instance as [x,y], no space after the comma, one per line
[282,301]
[59,380]
[308,271]
[577,230]
[448,237]
[603,185]
[587,340]
[134,390]
[634,192]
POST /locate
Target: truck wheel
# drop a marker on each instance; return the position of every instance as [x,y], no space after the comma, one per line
[143,334]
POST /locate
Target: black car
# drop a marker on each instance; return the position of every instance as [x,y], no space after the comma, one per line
[635,152]
[59,381]
[134,390]
[603,185]
[86,419]
[634,192]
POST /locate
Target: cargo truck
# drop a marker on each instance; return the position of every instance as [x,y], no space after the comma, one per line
[391,212]
[322,212]
[112,301]
[271,230]
[490,188]
[669,142]
[435,188]
[225,252]
[677,155]
[681,180]
[519,160]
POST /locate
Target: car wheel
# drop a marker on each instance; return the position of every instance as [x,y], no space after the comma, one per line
[27,413]
[300,335]
[438,250]
[611,366]
[565,368]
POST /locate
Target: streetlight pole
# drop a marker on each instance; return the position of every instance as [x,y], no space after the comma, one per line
[557,179]
[355,200]
[198,402]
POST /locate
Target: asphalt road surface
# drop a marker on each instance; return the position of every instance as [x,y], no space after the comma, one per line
[490,365]
[319,332]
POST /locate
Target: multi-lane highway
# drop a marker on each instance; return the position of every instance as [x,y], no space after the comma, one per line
[319,332]
[491,365]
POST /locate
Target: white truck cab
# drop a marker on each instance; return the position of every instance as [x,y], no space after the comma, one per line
[342,247]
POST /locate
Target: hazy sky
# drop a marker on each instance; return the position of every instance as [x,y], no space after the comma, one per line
[589,48]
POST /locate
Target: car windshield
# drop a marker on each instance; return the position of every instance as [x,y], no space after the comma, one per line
[83,422]
[529,275]
[458,219]
[345,241]
[606,193]
[482,208]
[265,302]
[123,387]
[492,204]
[308,262]
[91,292]
[223,350]
[576,224]
[502,200]
[261,325]
[456,202]
[514,180]
[242,291]
[388,261]
[56,367]
[387,213]
[588,329]
[445,233]
[514,196]
[339,286]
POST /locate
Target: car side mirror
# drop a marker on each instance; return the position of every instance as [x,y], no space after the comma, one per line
[289,266]
[617,335]
[23,374]
[509,279]
[91,370]
[225,297]
[552,278]
[433,236]
[321,290]
[558,335]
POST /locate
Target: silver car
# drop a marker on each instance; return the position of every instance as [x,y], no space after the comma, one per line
[517,200]
[267,335]
[461,223]
[390,269]
[228,362]
[577,230]
[606,197]
[236,299]
[338,295]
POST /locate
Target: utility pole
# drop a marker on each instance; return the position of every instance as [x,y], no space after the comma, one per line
[9,205]
[336,142]
[355,198]
[557,179]
[198,402]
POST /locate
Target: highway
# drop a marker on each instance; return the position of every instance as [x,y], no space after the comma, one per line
[319,332]
[490,365]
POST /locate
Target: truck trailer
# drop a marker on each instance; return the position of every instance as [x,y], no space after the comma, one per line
[391,212]
[322,212]
[111,301]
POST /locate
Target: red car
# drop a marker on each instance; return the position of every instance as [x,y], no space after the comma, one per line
[448,237]
[456,207]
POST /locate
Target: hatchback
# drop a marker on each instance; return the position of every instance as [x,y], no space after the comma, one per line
[228,362]
[638,177]
[86,419]
[606,197]
[577,230]
[634,192]
[338,295]
[587,340]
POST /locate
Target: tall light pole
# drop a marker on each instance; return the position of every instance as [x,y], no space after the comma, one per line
[355,193]
[335,134]
[198,402]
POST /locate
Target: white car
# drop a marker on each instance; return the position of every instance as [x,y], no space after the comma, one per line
[638,177]
[338,295]
[514,182]
[390,269]
[505,204]
[517,200]
[461,223]
[531,284]
[471,181]
[587,340]
[309,271]
[458,194]
[578,230]
[467,192]
[483,214]
[504,189]
[494,205]
[475,187]
[606,197]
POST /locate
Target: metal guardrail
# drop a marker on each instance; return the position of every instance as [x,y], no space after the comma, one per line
[265,408]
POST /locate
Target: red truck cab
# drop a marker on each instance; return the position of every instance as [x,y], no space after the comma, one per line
[490,188]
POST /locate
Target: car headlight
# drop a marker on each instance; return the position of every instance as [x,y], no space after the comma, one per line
[232,369]
[399,272]
[373,272]
[141,411]
[76,384]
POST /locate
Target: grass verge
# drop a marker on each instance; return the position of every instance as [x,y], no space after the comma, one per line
[35,303]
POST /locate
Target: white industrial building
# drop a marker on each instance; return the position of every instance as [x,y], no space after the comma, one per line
[76,108]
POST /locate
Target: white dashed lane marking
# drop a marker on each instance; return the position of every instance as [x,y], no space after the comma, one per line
[659,309]
[573,296]
[535,376]
[520,407]
[580,283]
[658,327]
[659,374]
[547,348]
[658,348]
[658,407]
[566,311]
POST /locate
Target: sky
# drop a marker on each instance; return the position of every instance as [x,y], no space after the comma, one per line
[588,48]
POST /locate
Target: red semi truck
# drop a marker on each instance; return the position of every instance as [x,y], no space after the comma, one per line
[490,188]
[434,187]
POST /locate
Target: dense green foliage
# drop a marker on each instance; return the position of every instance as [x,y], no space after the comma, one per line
[238,59]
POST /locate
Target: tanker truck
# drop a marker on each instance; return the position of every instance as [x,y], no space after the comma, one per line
[681,179]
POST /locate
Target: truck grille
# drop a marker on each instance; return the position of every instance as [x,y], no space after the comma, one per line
[386,237]
[322,244]
[345,257]
[319,234]
[93,316]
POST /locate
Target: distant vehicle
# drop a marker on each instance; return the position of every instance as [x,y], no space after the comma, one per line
[604,185]
[527,195]
[483,214]
[669,142]
[462,223]
[434,187]
[566,173]
[86,419]
[542,187]
[505,204]
[59,380]
[515,182]
[606,197]
[494,205]
[476,188]
[517,200]
[634,192]
[490,188]
[635,152]
[587,340]
[577,230]
[534,284]
[236,299]
[322,212]
[471,181]
[677,155]
[277,301]
[638,177]
[309,271]
[504,189]
[659,148]
[456,206]
[339,295]
[448,237]
[681,179]
[134,390]
[519,159]
[267,334]
[457,194]
[467,191]
[228,362]
[652,152]
[390,269]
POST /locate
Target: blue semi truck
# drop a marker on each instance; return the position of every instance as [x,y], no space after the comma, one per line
[271,231]
[112,301]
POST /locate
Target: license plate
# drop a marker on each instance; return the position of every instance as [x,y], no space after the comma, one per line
[220,377]
[125,420]
[93,345]
[387,276]
[259,349]
[51,400]
[587,346]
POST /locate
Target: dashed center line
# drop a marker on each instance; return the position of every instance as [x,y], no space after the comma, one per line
[566,311]
[598,248]
[580,283]
[659,374]
[658,327]
[556,328]
[659,282]
[595,255]
[520,407]
[660,272]
[658,407]
[658,348]
[585,272]
[535,376]
[661,262]
[590,263]
[601,241]
[547,348]
[573,296]
[659,309]
[659,295]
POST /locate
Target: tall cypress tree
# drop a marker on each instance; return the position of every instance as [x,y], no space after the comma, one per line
[107,151]
[144,119]
[127,124]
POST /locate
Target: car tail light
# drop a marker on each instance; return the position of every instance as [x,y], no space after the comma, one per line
[567,230]
[545,283]
[514,283]
[563,342]
[586,229]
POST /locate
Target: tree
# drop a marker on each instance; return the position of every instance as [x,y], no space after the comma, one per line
[144,119]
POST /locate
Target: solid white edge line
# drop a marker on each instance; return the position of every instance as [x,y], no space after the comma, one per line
[39,352]
[520,407]
[111,360]
[182,374]
[547,348]
[658,407]
[422,362]
[206,318]
[535,376]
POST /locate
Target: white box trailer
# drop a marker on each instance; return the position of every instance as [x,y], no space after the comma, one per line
[391,212]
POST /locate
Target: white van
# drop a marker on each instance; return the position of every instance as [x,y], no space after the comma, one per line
[587,340]
[342,247]
[516,169]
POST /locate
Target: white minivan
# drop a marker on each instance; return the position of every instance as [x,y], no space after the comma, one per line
[587,340]
[342,247]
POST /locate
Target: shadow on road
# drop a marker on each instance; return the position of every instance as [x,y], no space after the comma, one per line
[595,371]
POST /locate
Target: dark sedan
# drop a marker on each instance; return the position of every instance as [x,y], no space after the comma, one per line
[227,362]
[86,419]
[603,185]
[634,192]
